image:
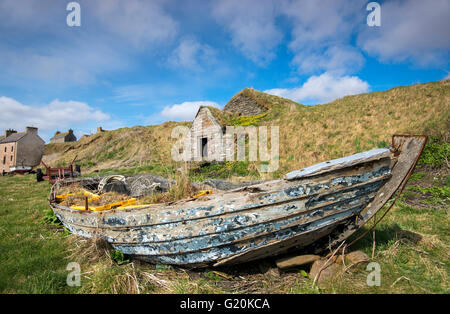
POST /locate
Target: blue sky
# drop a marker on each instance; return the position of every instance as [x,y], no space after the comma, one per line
[144,62]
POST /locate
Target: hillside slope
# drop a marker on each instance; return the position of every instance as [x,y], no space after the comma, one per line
[308,134]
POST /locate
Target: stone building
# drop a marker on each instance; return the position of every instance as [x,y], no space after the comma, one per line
[19,151]
[63,137]
[204,140]
[209,137]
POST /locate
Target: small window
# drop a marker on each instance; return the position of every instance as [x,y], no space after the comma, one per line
[11,157]
[4,159]
[12,148]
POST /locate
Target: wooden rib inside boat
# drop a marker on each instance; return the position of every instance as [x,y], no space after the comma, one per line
[330,201]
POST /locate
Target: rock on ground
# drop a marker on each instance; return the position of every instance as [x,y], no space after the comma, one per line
[356,257]
[329,272]
[295,261]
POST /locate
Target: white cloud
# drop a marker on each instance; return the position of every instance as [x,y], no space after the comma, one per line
[324,24]
[31,15]
[192,55]
[337,59]
[185,111]
[252,27]
[57,115]
[321,35]
[60,64]
[323,88]
[139,22]
[41,47]
[411,30]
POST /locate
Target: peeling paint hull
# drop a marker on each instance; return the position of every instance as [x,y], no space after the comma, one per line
[330,199]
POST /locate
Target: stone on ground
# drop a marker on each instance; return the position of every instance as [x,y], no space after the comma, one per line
[295,261]
[356,257]
[330,271]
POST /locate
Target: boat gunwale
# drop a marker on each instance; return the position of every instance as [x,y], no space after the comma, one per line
[159,206]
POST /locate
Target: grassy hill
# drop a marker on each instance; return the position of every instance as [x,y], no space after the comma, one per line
[308,134]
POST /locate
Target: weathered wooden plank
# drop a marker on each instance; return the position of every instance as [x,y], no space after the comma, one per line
[243,235]
[229,250]
[339,163]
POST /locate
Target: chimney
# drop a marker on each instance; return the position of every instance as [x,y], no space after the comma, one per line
[9,132]
[31,130]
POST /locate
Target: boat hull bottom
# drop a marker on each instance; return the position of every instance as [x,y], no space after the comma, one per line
[285,246]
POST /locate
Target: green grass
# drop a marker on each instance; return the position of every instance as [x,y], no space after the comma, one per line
[225,170]
[417,176]
[33,252]
[409,242]
[436,153]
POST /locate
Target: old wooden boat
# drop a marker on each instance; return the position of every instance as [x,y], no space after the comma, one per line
[322,204]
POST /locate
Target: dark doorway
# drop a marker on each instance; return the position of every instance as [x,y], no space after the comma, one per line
[204,145]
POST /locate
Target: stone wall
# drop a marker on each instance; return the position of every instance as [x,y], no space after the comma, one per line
[30,150]
[7,156]
[26,151]
[63,137]
[244,106]
[54,140]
